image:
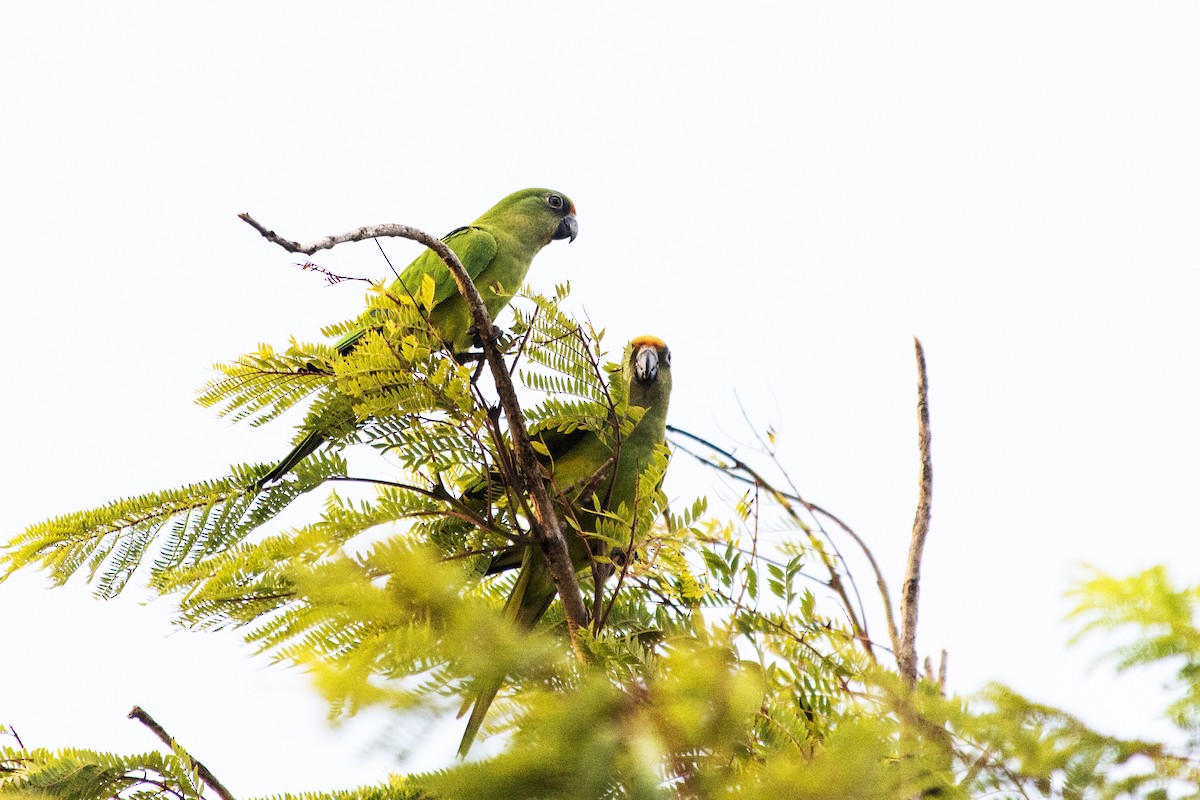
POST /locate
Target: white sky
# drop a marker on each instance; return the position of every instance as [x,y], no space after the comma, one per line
[786,193]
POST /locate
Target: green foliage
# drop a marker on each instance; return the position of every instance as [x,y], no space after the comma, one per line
[260,386]
[566,365]
[87,775]
[690,710]
[1045,747]
[1157,622]
[715,663]
[183,525]
[395,788]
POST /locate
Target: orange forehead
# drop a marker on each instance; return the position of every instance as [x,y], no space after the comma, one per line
[648,341]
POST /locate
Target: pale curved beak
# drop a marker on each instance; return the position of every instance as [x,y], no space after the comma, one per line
[645,364]
[568,228]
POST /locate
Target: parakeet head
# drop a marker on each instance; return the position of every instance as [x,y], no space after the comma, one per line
[648,373]
[538,216]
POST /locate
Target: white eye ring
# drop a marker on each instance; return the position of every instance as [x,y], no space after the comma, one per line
[555,202]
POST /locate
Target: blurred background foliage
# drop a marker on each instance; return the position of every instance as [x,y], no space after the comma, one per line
[715,662]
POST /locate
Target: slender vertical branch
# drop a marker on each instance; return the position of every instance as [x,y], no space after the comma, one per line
[910,591]
[211,780]
[546,529]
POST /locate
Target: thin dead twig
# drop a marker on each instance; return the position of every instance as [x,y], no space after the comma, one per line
[835,583]
[205,775]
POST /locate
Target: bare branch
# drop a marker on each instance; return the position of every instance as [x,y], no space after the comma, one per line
[910,591]
[880,582]
[782,497]
[141,716]
[547,531]
[356,235]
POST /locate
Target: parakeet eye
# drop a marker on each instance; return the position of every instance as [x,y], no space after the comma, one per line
[555,202]
[667,357]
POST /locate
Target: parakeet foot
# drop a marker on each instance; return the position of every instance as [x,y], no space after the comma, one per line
[498,336]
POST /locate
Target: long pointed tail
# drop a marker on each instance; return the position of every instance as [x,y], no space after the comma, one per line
[307,446]
[508,558]
[531,597]
[479,709]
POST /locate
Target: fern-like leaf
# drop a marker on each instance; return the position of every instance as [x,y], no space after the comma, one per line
[186,523]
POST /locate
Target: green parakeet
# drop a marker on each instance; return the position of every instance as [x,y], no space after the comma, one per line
[496,251]
[579,467]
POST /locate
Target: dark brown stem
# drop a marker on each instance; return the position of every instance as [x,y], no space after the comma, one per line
[545,528]
[211,780]
[911,589]
[13,731]
[459,509]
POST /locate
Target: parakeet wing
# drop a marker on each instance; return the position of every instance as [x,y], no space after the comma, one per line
[557,442]
[474,247]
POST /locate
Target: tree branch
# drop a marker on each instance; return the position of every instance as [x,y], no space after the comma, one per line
[781,497]
[459,510]
[910,591]
[547,531]
[357,235]
[13,733]
[141,716]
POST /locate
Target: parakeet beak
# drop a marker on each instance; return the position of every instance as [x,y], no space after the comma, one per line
[568,228]
[645,364]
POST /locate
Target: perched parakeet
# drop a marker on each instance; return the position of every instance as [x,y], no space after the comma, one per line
[579,467]
[496,251]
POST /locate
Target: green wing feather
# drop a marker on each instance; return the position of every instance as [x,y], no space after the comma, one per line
[474,247]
